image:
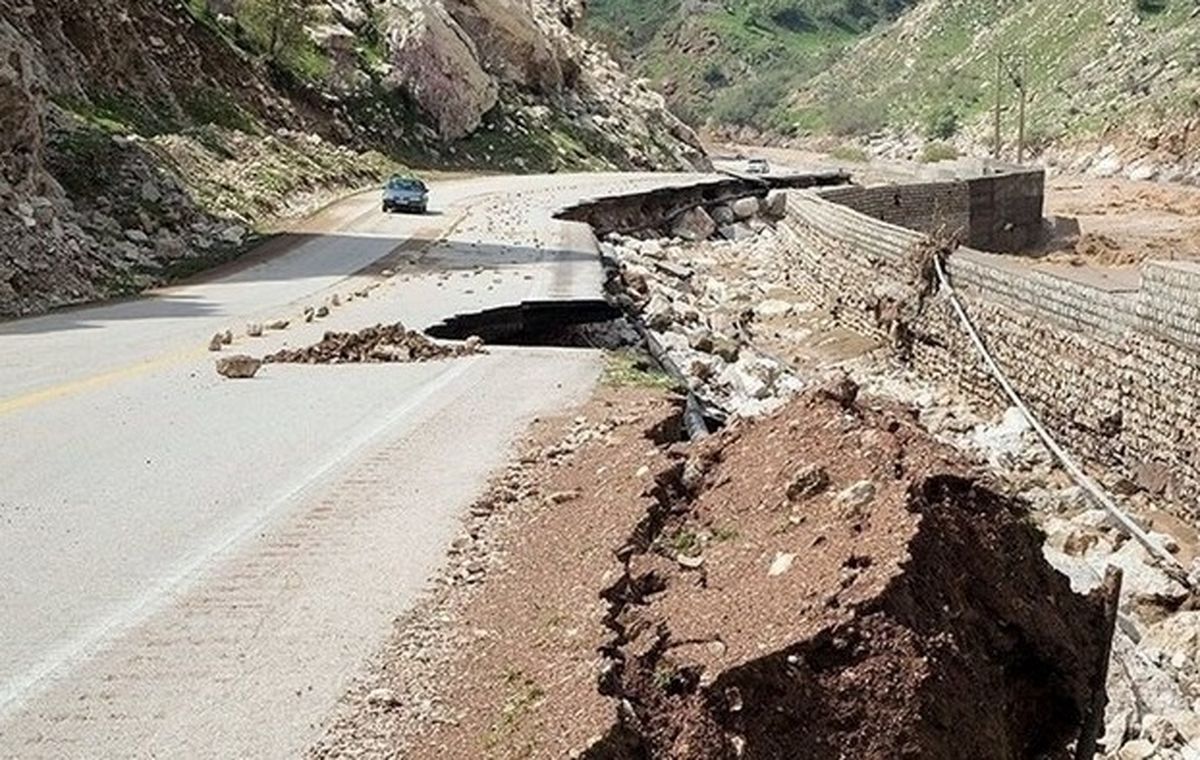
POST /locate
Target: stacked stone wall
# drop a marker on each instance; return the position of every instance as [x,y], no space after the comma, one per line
[1114,373]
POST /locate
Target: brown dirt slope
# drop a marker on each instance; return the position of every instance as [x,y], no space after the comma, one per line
[830,583]
[502,659]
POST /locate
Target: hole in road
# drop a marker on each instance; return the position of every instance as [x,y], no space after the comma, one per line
[571,324]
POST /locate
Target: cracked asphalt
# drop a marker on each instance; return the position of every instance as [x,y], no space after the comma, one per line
[193,566]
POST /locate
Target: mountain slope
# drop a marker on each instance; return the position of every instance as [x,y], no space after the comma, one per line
[736,61]
[1103,70]
[1111,83]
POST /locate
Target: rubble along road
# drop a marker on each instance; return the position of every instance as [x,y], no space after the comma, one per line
[194,566]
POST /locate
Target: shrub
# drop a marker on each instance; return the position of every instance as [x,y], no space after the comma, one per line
[753,104]
[851,118]
[847,152]
[942,123]
[938,151]
[276,27]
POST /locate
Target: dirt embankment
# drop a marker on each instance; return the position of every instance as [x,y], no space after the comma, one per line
[824,582]
[828,582]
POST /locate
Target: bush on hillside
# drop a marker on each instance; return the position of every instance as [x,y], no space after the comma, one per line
[851,153]
[855,117]
[938,151]
[942,123]
[755,103]
[276,28]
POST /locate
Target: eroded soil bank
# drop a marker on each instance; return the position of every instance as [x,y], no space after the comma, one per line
[824,582]
[828,582]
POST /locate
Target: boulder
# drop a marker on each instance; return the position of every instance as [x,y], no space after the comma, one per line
[726,348]
[509,42]
[723,215]
[737,232]
[694,225]
[746,208]
[772,308]
[775,207]
[753,377]
[233,234]
[659,314]
[238,367]
[1143,582]
[437,64]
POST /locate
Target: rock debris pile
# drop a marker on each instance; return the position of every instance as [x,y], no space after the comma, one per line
[727,311]
[378,344]
[830,582]
[710,293]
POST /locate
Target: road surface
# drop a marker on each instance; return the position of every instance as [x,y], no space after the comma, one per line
[195,567]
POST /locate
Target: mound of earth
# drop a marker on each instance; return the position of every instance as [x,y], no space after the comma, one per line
[830,582]
[381,343]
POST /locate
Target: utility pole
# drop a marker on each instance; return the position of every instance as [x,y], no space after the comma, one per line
[996,131]
[1021,118]
[1017,73]
[999,73]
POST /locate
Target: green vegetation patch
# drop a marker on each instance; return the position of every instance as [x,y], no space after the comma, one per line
[627,367]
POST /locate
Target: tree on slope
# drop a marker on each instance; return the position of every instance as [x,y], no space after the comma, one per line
[277,25]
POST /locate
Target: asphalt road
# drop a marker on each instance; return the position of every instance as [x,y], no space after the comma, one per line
[195,567]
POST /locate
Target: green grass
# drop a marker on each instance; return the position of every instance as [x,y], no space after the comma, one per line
[683,543]
[939,76]
[523,696]
[627,367]
[841,67]
[851,153]
[937,151]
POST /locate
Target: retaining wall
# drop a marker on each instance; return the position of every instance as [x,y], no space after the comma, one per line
[1114,372]
[992,212]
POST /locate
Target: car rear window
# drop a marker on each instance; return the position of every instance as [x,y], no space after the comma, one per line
[406,184]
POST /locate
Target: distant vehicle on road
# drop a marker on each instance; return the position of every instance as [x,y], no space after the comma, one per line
[405,194]
[758,166]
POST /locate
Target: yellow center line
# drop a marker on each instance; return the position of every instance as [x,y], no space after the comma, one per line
[71,387]
[93,382]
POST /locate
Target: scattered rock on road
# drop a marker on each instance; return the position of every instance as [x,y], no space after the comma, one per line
[238,367]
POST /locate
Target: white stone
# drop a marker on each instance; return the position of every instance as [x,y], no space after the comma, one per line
[745,208]
[773,307]
[781,564]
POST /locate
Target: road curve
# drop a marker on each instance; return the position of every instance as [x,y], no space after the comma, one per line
[195,567]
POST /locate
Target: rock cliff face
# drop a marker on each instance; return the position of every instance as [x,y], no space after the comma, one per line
[457,58]
[145,140]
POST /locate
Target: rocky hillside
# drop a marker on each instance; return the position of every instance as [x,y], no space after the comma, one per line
[734,62]
[142,141]
[1111,83]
